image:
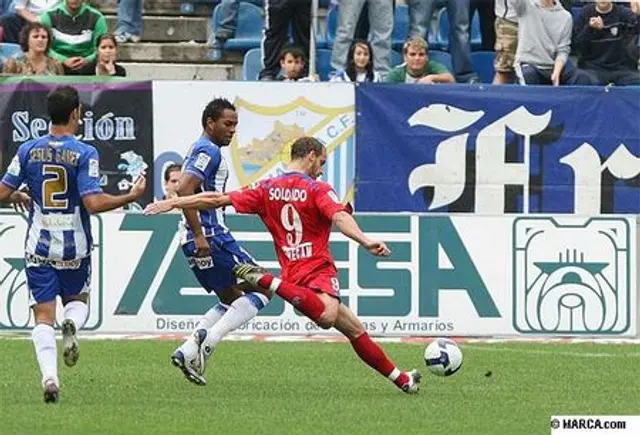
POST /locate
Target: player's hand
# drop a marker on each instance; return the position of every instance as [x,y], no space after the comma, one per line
[158,207]
[21,201]
[202,246]
[137,190]
[378,249]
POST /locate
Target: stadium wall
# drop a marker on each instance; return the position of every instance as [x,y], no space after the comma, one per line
[509,211]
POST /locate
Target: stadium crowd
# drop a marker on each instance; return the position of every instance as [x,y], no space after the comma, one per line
[535,41]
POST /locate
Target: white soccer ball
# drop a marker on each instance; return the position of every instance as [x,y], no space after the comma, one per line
[443,357]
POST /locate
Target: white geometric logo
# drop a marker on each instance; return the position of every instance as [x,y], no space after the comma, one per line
[573,277]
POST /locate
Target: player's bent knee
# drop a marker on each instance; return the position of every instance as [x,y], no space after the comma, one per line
[82,297]
[45,313]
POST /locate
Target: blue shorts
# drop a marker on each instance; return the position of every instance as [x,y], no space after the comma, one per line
[46,280]
[214,272]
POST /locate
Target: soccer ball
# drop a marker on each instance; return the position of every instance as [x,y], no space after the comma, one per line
[443,357]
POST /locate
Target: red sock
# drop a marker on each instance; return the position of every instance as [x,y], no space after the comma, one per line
[303,298]
[374,356]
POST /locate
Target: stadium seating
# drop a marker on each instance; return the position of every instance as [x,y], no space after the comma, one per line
[396,58]
[483,65]
[400,27]
[8,50]
[442,38]
[332,24]
[252,64]
[441,57]
[250,24]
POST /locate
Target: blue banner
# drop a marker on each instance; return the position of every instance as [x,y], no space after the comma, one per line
[497,149]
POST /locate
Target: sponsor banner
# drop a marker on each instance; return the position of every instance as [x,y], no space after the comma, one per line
[271,116]
[455,276]
[116,118]
[495,150]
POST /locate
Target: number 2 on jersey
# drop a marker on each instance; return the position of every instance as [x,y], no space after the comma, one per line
[53,187]
[292,224]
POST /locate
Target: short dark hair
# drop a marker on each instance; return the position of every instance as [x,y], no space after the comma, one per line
[215,108]
[169,169]
[304,145]
[110,36]
[294,51]
[61,102]
[23,38]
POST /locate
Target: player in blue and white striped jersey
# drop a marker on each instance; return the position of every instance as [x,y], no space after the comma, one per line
[62,175]
[211,250]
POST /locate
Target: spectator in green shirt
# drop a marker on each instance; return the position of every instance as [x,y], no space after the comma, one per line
[75,27]
[417,68]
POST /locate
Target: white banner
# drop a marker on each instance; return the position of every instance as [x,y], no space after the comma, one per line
[451,276]
[271,116]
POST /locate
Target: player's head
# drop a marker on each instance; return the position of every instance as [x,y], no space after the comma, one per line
[172,175]
[63,105]
[219,121]
[310,155]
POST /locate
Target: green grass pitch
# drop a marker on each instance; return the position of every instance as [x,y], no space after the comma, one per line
[129,387]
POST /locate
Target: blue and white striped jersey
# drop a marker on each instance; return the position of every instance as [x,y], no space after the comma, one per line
[205,162]
[59,172]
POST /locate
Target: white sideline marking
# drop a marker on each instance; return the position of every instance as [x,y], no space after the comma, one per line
[555,353]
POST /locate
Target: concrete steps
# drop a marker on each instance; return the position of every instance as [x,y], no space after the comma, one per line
[170,29]
[177,52]
[157,7]
[179,71]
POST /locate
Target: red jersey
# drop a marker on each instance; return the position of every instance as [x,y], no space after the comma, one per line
[297,211]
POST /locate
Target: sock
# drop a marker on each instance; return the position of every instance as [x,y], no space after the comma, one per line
[240,312]
[304,299]
[78,312]
[44,342]
[210,318]
[374,356]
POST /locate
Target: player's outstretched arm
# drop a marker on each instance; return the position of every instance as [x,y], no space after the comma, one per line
[200,201]
[20,200]
[350,228]
[101,202]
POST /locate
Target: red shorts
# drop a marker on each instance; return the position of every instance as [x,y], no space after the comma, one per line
[324,280]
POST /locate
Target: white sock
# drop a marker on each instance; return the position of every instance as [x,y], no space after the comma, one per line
[240,311]
[44,342]
[78,312]
[210,318]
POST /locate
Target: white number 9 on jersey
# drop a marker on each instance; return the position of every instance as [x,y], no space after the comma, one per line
[292,224]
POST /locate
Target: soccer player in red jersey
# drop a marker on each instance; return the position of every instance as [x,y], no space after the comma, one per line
[299,212]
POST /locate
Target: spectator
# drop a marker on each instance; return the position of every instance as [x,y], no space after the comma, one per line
[293,64]
[544,43]
[129,27]
[420,15]
[35,40]
[487,18]
[280,15]
[506,41]
[76,28]
[229,10]
[171,179]
[360,65]
[25,11]
[417,67]
[105,62]
[380,29]
[605,35]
